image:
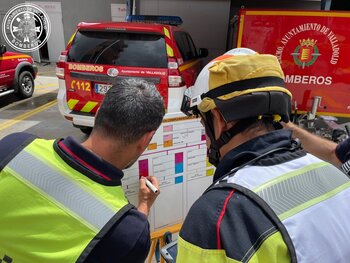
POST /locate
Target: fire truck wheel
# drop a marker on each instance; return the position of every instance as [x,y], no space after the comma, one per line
[86,130]
[25,85]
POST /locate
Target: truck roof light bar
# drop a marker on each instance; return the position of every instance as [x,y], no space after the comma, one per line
[169,20]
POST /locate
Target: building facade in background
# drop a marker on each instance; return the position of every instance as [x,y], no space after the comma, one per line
[211,23]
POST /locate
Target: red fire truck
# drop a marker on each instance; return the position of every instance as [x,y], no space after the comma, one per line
[153,48]
[17,73]
[314,52]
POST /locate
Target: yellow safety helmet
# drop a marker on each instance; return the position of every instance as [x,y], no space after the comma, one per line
[241,84]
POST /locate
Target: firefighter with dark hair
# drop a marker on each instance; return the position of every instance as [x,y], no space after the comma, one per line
[270,200]
[62,200]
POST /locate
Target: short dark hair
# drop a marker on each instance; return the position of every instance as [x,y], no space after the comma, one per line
[266,123]
[130,108]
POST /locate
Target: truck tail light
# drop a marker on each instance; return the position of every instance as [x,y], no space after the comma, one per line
[175,81]
[174,77]
[61,63]
[60,72]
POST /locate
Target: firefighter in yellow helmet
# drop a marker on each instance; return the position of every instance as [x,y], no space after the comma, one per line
[270,200]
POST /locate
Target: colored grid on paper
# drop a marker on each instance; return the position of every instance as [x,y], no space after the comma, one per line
[208,163]
[203,135]
[210,172]
[179,163]
[168,140]
[168,128]
[152,146]
[143,167]
[179,179]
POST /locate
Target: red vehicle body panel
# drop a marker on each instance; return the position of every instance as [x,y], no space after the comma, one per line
[8,64]
[314,51]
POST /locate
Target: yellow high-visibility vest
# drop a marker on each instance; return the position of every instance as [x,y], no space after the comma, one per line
[50,212]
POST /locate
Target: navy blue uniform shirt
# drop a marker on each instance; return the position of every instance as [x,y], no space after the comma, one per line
[343,150]
[129,239]
[343,153]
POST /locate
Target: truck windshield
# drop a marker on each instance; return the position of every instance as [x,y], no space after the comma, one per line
[119,48]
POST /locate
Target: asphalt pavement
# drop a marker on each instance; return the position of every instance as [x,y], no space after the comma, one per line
[46,69]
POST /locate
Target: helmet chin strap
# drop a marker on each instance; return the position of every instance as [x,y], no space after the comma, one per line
[214,149]
[215,145]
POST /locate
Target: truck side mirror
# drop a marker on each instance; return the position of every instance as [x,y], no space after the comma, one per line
[2,49]
[202,52]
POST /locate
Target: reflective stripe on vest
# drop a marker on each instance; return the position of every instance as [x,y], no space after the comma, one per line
[311,198]
[346,167]
[313,185]
[62,190]
[51,212]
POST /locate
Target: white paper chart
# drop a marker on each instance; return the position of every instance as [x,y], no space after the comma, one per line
[177,157]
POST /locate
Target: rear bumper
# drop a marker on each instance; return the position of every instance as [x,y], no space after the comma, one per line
[76,118]
[175,96]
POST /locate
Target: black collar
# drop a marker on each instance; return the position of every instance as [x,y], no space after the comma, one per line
[87,163]
[256,147]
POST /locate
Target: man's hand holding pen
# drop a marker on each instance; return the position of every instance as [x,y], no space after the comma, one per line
[148,192]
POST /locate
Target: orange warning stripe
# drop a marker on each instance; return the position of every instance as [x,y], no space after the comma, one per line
[14,56]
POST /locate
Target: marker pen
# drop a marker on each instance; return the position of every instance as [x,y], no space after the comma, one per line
[150,185]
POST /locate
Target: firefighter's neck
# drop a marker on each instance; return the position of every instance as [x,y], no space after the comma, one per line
[220,126]
[241,138]
[117,153]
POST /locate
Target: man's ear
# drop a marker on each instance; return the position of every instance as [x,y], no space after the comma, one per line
[145,140]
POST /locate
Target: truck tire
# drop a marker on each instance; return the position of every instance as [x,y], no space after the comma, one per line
[25,85]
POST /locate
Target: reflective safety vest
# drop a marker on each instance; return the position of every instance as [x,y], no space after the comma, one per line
[51,212]
[310,200]
[346,167]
